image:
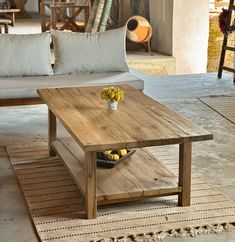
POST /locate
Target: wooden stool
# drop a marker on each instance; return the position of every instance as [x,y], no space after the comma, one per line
[4,24]
[9,14]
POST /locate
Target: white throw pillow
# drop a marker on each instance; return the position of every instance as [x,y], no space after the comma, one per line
[25,55]
[85,52]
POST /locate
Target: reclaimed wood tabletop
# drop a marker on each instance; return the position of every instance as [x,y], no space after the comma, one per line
[139,120]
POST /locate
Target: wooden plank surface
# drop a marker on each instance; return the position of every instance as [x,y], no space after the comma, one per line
[74,165]
[90,185]
[140,176]
[20,101]
[139,121]
[11,10]
[51,131]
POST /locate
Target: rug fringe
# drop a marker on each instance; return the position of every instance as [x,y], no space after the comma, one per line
[183,232]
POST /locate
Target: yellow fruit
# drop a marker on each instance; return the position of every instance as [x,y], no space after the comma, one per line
[113,157]
[107,152]
[122,152]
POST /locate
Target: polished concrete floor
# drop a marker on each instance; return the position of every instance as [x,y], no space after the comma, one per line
[215,160]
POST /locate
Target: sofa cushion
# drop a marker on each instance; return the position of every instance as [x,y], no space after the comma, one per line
[25,55]
[85,52]
[26,87]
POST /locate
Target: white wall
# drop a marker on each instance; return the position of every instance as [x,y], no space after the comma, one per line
[190,35]
[181,29]
[161,19]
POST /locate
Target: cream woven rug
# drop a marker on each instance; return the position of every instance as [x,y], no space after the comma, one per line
[224,105]
[56,205]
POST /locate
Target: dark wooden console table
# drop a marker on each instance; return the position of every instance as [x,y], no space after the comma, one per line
[63,16]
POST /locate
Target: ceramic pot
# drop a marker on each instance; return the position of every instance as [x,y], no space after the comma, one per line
[139,29]
[112,106]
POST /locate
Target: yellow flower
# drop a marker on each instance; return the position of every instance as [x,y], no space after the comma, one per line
[114,94]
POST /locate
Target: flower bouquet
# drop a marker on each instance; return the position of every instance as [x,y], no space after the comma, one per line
[113,95]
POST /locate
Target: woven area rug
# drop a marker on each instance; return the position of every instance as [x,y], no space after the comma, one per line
[224,105]
[56,205]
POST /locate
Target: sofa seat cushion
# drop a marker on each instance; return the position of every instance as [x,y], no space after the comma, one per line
[26,87]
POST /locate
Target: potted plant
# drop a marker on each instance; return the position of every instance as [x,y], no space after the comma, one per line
[113,95]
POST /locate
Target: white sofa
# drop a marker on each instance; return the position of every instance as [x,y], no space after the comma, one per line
[23,90]
[80,60]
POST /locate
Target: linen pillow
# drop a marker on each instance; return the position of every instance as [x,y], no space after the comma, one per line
[85,52]
[25,55]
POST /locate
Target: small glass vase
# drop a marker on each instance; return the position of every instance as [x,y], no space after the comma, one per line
[111,105]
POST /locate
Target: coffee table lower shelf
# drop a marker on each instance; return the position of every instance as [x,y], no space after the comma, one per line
[140,176]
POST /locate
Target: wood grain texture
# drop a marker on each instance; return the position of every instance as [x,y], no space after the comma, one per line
[185,156]
[51,131]
[63,16]
[139,121]
[53,18]
[140,176]
[90,185]
[73,163]
[43,17]
[20,101]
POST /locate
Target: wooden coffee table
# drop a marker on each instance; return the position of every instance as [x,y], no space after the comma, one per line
[139,122]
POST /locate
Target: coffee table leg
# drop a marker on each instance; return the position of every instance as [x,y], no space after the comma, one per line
[185,160]
[90,185]
[51,131]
